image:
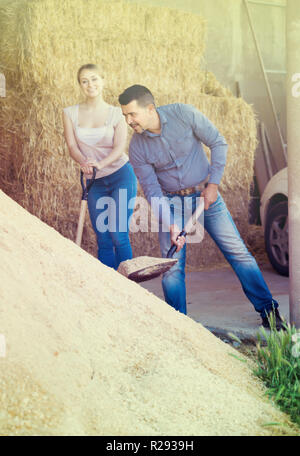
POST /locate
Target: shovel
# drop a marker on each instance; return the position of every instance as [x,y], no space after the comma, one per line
[187,228]
[85,191]
[145,268]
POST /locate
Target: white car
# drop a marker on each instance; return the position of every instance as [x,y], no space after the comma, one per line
[274,219]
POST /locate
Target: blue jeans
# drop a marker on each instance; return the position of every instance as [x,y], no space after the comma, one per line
[108,202]
[220,226]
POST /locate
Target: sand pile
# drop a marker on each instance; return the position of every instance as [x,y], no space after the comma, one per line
[90,352]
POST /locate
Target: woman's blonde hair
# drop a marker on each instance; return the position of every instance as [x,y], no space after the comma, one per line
[87,66]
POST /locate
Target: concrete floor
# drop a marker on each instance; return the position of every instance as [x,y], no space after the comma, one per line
[216,300]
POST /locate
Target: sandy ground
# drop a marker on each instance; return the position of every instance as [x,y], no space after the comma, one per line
[89,352]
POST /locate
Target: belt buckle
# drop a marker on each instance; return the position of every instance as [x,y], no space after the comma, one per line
[189,191]
[186,191]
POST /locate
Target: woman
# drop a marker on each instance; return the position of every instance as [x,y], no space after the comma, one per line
[96,134]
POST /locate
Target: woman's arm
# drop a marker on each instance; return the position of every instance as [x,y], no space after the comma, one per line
[119,145]
[73,147]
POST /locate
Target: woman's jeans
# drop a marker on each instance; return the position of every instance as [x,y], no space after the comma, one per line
[111,202]
[220,226]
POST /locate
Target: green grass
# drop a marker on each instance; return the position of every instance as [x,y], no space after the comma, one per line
[278,365]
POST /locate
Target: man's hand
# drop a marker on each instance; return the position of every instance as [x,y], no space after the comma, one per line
[210,194]
[174,232]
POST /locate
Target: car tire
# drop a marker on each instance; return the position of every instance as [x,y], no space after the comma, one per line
[277,239]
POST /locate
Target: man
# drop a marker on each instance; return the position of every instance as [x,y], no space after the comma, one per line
[168,159]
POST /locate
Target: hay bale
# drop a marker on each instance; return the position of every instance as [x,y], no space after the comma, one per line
[42,45]
[91,353]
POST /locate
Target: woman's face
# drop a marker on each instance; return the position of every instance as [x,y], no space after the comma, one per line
[91,83]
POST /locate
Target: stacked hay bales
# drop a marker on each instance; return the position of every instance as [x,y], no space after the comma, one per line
[42,45]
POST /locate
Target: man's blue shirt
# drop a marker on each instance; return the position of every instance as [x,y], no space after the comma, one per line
[175,158]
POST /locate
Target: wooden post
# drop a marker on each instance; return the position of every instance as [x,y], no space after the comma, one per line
[293,142]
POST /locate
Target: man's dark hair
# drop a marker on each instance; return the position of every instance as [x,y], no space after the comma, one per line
[141,94]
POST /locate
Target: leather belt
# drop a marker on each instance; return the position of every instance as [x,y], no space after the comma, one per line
[190,190]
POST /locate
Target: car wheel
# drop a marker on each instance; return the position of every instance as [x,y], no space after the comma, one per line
[277,238]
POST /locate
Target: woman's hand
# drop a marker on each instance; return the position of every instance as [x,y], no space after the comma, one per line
[88,165]
[86,169]
[94,164]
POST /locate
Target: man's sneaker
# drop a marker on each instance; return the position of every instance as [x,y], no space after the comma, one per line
[273,319]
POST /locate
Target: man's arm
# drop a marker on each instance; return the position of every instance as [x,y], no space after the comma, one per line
[209,135]
[146,175]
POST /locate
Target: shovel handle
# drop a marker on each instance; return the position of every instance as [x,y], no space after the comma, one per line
[83,206]
[86,188]
[81,221]
[192,220]
[173,249]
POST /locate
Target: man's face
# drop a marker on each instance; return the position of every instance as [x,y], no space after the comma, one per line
[138,117]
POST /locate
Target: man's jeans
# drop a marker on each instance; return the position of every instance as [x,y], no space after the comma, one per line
[220,226]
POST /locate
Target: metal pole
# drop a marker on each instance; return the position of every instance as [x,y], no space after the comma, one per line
[265,78]
[293,141]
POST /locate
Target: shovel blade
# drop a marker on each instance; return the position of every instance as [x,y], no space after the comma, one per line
[151,272]
[147,272]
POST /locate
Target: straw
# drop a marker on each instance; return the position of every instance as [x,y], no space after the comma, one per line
[42,45]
